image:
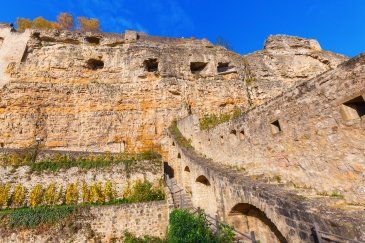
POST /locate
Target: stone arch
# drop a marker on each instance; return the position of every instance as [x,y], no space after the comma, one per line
[203,195]
[245,217]
[168,170]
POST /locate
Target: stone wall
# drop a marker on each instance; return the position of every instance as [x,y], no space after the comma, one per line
[275,213]
[119,174]
[99,224]
[320,144]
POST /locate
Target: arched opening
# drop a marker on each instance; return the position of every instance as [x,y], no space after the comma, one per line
[202,179]
[245,217]
[178,155]
[168,170]
[173,143]
[204,196]
[187,169]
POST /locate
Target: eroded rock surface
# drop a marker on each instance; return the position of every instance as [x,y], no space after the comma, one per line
[283,62]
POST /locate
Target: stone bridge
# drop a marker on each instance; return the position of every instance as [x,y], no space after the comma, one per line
[275,214]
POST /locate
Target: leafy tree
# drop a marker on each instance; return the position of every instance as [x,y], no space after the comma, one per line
[223,42]
[23,24]
[41,23]
[86,24]
[65,21]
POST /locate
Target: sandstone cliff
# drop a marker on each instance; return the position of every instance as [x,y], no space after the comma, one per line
[283,62]
[106,92]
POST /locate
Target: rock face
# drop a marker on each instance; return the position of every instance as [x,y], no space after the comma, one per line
[106,92]
[284,61]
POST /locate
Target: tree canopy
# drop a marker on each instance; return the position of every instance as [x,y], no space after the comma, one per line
[65,21]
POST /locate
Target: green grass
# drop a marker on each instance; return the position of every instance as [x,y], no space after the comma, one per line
[336,194]
[60,161]
[30,218]
[212,120]
[174,130]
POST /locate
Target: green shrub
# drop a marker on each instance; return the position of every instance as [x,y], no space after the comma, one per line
[187,227]
[96,193]
[85,193]
[30,218]
[212,120]
[4,195]
[50,197]
[143,191]
[18,197]
[109,191]
[36,196]
[179,137]
[130,238]
[72,194]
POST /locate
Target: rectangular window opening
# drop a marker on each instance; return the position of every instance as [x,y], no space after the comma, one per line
[353,109]
[275,127]
[197,67]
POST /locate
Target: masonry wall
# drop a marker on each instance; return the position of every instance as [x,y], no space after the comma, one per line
[278,211]
[317,147]
[104,223]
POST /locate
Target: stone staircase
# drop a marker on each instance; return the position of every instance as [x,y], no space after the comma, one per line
[180,197]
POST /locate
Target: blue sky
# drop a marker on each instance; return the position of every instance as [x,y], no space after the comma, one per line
[338,25]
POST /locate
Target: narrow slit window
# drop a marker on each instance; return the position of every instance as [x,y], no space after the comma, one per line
[275,127]
[1,41]
[353,109]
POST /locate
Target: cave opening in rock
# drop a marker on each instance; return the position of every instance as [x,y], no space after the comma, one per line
[93,40]
[197,67]
[151,65]
[275,127]
[354,108]
[223,67]
[95,64]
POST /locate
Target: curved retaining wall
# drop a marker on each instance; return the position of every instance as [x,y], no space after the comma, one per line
[292,215]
